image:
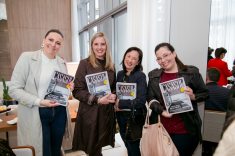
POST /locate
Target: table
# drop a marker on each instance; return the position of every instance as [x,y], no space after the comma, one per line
[5,127]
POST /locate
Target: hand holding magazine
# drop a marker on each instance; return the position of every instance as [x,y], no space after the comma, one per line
[98,84]
[59,88]
[175,99]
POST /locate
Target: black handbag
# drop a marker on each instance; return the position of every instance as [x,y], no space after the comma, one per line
[135,125]
[5,149]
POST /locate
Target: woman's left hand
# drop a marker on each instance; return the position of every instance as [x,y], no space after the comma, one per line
[189,91]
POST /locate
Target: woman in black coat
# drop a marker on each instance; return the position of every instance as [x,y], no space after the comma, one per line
[184,128]
[131,113]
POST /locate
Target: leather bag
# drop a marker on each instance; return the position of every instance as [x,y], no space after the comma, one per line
[155,140]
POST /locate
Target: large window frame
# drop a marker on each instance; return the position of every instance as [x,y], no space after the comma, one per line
[104,23]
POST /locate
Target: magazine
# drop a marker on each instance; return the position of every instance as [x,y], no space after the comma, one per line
[176,101]
[98,84]
[59,88]
[126,91]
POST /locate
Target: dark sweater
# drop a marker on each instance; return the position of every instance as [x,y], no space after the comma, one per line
[218,97]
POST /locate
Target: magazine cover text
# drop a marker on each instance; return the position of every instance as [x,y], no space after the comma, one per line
[58,89]
[126,91]
[98,84]
[175,99]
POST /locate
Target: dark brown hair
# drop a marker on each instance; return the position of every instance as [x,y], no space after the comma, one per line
[55,31]
[171,48]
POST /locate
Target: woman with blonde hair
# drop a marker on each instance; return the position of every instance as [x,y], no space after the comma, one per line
[95,125]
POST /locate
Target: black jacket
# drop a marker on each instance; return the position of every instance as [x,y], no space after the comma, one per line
[192,79]
[139,78]
[218,97]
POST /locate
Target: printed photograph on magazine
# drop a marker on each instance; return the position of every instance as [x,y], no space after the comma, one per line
[126,91]
[175,99]
[98,84]
[59,88]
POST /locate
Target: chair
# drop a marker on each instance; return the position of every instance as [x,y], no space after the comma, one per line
[213,125]
[24,150]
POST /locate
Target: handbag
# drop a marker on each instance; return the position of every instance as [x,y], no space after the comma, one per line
[155,139]
[5,149]
[134,128]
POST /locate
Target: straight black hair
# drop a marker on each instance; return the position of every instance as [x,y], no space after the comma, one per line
[137,67]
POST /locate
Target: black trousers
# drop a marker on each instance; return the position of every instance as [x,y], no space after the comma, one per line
[132,146]
[185,143]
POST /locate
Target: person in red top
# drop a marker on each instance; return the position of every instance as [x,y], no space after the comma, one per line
[221,65]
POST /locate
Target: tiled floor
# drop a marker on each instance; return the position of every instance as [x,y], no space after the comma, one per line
[118,150]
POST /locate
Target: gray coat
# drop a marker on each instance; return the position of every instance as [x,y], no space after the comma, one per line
[24,88]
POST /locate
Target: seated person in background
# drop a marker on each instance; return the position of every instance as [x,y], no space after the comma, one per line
[210,51]
[233,70]
[218,96]
[221,65]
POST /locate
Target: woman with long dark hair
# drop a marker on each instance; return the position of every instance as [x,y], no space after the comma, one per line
[184,128]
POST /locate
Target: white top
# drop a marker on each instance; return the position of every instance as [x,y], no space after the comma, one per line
[48,67]
[226,145]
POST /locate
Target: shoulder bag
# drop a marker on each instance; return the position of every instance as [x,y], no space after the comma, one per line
[155,139]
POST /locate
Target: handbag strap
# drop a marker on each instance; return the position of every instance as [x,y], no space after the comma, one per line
[148,112]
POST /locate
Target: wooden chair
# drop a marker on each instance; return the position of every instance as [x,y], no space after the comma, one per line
[24,151]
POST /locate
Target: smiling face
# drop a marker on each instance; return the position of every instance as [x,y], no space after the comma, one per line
[166,59]
[131,60]
[52,44]
[99,47]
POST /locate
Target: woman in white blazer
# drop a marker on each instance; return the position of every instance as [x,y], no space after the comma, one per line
[41,123]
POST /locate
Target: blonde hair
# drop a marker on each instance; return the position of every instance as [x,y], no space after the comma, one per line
[108,59]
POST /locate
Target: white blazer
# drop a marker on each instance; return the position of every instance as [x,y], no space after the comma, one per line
[24,88]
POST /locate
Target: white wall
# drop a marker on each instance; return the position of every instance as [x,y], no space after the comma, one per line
[189,31]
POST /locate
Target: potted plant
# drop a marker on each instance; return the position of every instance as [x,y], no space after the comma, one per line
[7,99]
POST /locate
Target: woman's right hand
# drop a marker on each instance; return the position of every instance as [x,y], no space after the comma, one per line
[48,103]
[109,98]
[166,114]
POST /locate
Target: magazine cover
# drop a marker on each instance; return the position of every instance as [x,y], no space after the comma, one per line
[59,88]
[126,91]
[98,84]
[176,101]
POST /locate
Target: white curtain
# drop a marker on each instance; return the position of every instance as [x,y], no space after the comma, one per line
[222,28]
[3,13]
[74,31]
[148,24]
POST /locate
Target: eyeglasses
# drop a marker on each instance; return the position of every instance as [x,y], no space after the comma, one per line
[164,56]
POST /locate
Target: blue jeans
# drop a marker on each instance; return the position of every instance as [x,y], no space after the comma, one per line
[53,127]
[133,147]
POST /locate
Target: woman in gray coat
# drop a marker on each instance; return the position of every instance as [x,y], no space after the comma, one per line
[41,123]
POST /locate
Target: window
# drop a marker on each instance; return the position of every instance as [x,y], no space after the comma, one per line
[108,16]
